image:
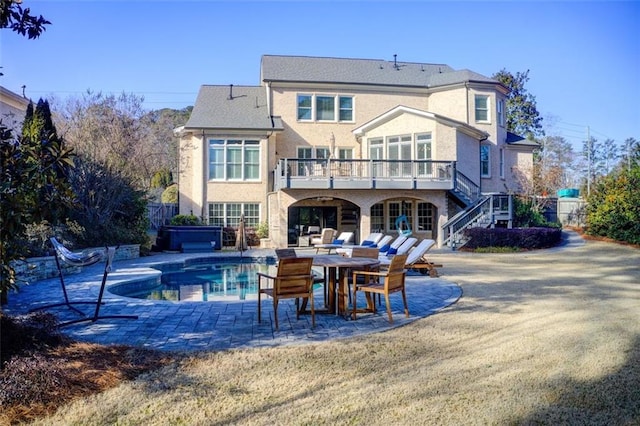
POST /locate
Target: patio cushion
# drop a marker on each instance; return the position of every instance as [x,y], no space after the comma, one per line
[337,242]
[367,243]
[392,251]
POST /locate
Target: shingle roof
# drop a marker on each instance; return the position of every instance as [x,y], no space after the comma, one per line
[363,71]
[237,107]
[514,139]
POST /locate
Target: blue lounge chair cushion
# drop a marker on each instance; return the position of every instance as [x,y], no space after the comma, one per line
[385,248]
[337,242]
[392,251]
[367,243]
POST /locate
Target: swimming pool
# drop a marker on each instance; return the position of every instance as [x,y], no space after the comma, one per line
[201,280]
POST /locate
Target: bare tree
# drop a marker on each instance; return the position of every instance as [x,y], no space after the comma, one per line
[109,129]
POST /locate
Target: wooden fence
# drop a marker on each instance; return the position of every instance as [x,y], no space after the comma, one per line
[161,214]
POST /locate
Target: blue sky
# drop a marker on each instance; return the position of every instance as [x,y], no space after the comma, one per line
[583,57]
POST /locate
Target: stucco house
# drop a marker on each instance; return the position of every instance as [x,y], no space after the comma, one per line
[352,144]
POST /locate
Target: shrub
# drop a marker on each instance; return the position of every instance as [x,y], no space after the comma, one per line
[108,206]
[262,231]
[185,220]
[523,238]
[613,208]
[527,215]
[170,195]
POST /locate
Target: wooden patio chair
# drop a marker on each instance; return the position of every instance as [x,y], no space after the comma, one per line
[381,282]
[358,251]
[293,280]
[285,252]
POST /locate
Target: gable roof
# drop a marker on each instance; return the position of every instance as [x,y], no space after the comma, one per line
[363,71]
[401,109]
[232,107]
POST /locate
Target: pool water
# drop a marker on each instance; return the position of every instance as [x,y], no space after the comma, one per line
[221,280]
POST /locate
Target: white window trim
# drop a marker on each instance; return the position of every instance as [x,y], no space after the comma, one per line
[501,163]
[224,146]
[488,175]
[225,217]
[336,107]
[500,112]
[305,120]
[475,108]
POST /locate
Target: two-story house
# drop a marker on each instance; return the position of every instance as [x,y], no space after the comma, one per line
[352,144]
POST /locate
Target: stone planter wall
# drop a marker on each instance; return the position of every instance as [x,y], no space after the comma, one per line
[40,268]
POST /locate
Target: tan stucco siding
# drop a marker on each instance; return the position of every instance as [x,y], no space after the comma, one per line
[190,175]
[367,106]
[468,156]
[450,103]
[197,191]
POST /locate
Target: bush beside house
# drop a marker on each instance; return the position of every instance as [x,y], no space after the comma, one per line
[520,238]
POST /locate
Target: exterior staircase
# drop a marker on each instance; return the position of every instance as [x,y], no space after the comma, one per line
[479,211]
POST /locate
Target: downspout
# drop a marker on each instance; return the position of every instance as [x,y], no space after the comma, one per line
[466,85]
[268,87]
[204,176]
[479,156]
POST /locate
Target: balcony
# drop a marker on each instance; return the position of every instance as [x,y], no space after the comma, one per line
[296,173]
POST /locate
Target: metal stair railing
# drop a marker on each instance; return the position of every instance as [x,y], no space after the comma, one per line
[475,214]
[465,186]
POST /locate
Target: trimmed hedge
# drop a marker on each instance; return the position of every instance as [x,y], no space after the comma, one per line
[522,238]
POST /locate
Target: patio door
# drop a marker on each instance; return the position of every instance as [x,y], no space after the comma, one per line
[399,148]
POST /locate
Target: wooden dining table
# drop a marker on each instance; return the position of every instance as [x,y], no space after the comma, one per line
[336,277]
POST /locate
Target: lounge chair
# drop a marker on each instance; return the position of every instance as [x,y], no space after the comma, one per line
[346,251]
[403,249]
[419,262]
[343,238]
[372,239]
[416,259]
[393,245]
[325,237]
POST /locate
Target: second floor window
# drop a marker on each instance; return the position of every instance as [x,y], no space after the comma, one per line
[234,159]
[501,113]
[423,152]
[346,108]
[482,108]
[325,108]
[485,161]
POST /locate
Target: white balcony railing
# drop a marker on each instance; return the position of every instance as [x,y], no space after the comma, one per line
[297,173]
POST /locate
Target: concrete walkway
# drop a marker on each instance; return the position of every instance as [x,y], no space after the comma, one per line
[214,325]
